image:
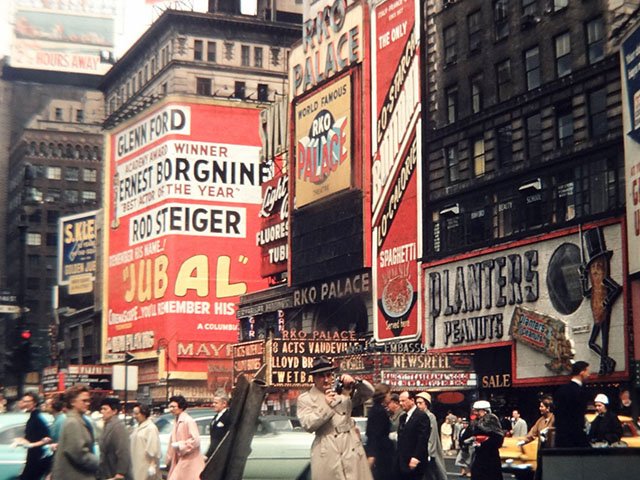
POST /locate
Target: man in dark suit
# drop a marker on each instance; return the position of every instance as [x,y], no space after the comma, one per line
[570,406]
[413,439]
[220,423]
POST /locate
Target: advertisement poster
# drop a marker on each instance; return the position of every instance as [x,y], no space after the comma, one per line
[331,43]
[181,214]
[630,65]
[77,252]
[533,296]
[323,152]
[64,36]
[396,170]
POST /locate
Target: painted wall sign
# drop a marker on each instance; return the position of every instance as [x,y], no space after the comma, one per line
[630,74]
[331,43]
[323,152]
[356,284]
[471,302]
[420,380]
[395,169]
[182,200]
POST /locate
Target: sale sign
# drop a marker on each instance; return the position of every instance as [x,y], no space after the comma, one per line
[182,203]
[395,169]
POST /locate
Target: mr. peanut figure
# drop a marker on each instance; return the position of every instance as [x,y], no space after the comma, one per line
[602,290]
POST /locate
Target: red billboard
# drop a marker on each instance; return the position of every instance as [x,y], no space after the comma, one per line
[395,169]
[182,200]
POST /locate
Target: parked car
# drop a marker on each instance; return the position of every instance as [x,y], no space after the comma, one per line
[521,461]
[279,450]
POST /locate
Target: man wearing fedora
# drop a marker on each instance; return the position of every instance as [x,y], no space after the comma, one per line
[337,452]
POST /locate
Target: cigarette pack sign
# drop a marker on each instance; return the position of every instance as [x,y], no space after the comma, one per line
[182,203]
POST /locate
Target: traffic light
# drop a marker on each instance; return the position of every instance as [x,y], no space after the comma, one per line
[22,352]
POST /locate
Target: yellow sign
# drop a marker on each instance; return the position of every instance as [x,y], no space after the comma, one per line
[81,284]
[323,143]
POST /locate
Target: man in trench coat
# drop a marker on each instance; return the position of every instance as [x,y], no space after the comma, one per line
[337,452]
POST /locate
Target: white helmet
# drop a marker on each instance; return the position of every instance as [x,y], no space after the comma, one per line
[601,398]
[482,405]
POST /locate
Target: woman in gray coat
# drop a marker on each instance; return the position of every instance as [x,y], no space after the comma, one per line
[75,458]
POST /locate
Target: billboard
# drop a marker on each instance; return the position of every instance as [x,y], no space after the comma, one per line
[323,153]
[331,43]
[395,169]
[630,65]
[182,197]
[535,296]
[77,252]
[63,36]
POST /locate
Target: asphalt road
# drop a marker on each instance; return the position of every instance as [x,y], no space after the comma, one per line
[453,472]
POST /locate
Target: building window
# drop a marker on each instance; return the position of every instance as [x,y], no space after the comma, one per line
[598,113]
[90,175]
[533,207]
[203,86]
[501,18]
[530,7]
[563,54]
[52,239]
[534,136]
[245,56]
[153,69]
[211,52]
[503,78]
[88,196]
[257,57]
[532,67]
[595,39]
[239,90]
[478,157]
[564,125]
[52,216]
[476,93]
[263,92]
[504,144]
[79,116]
[475,30]
[53,195]
[140,80]
[450,44]
[34,261]
[452,231]
[197,50]
[72,174]
[71,196]
[452,163]
[58,113]
[452,104]
[34,239]
[54,173]
[477,222]
[505,214]
[560,4]
[564,204]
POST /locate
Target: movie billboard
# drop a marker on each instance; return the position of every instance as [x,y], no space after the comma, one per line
[181,212]
[323,151]
[395,170]
[64,36]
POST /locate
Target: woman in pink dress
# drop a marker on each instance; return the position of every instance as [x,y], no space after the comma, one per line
[184,459]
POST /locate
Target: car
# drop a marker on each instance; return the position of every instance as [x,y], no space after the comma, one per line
[280,449]
[522,460]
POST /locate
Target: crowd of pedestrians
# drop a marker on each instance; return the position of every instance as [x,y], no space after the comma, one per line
[404,438]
